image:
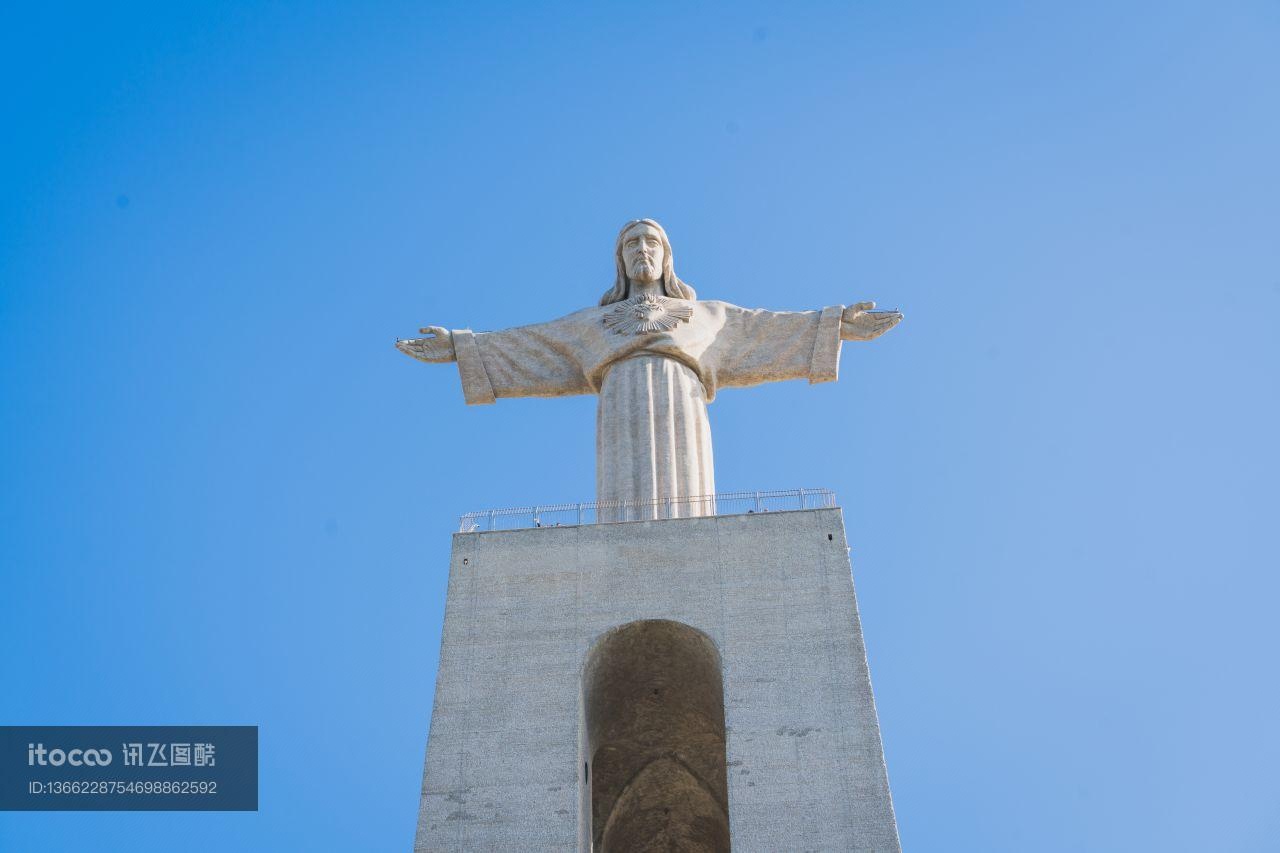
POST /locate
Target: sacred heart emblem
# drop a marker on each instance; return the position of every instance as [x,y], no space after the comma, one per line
[648,313]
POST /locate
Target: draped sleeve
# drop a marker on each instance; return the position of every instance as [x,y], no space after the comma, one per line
[540,360]
[755,346]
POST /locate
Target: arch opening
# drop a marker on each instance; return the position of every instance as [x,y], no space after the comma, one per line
[653,701]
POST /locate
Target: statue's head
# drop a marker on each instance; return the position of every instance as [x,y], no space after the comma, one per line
[643,253]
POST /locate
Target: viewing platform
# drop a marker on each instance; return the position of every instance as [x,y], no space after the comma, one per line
[606,512]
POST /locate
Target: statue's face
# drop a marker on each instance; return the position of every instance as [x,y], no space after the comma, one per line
[642,253]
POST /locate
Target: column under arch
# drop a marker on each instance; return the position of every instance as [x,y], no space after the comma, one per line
[653,702]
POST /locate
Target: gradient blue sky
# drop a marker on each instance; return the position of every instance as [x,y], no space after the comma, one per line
[226,499]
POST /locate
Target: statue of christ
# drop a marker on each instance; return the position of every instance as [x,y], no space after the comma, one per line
[655,355]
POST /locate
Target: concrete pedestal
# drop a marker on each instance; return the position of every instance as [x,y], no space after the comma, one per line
[773,591]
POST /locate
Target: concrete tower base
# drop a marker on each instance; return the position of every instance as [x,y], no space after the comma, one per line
[507,763]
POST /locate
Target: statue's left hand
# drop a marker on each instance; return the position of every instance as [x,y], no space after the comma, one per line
[861,322]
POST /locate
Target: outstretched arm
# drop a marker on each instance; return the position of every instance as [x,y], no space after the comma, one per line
[767,346]
[529,361]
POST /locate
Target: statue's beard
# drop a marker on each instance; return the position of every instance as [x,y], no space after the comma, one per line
[643,270]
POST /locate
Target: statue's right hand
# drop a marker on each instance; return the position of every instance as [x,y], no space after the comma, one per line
[436,349]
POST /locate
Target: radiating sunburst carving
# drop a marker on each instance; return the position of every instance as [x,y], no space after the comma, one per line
[642,314]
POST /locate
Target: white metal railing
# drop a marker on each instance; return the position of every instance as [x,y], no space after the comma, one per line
[604,512]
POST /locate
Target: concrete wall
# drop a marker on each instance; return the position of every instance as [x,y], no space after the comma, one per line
[505,754]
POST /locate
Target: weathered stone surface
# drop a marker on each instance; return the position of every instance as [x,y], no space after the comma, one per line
[508,740]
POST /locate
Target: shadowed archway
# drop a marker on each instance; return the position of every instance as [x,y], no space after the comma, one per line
[654,708]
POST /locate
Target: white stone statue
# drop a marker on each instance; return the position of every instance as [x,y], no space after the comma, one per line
[655,355]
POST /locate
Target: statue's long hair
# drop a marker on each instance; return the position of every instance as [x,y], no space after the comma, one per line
[671,285]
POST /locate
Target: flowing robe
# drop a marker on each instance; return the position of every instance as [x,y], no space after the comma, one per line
[654,379]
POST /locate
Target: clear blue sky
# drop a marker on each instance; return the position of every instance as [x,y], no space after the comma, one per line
[226,499]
